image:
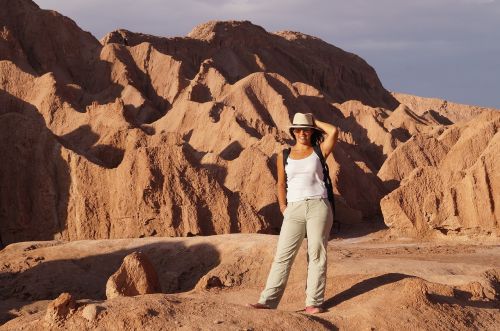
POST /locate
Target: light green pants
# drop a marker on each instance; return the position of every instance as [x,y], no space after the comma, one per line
[311,216]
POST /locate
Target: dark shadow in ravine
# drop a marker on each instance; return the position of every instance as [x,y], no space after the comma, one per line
[369,188]
[218,173]
[232,151]
[391,185]
[234,201]
[34,178]
[83,142]
[273,217]
[142,80]
[401,134]
[443,120]
[189,51]
[363,287]
[356,230]
[179,269]
[194,157]
[363,149]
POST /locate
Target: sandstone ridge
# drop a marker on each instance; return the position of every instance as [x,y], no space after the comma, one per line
[138,135]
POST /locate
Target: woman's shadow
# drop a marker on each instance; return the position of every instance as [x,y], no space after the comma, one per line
[363,287]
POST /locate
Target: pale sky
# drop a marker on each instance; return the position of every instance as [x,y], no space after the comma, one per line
[448,49]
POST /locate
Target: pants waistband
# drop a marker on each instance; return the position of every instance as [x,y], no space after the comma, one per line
[318,197]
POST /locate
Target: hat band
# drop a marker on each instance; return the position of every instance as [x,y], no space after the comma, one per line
[302,126]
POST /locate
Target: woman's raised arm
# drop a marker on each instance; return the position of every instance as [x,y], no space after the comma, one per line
[332,134]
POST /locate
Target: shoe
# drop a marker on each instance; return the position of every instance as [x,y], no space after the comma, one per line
[314,310]
[258,306]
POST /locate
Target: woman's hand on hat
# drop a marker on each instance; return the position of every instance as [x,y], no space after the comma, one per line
[332,134]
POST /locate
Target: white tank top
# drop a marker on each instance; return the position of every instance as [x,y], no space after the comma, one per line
[304,179]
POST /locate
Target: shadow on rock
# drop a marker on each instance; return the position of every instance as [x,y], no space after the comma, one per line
[463,299]
[363,287]
[83,142]
[34,178]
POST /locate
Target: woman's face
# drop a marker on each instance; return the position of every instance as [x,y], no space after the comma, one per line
[303,135]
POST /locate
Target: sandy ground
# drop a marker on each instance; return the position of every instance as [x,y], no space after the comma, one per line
[373,284]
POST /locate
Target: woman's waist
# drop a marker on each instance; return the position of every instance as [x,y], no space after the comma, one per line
[306,195]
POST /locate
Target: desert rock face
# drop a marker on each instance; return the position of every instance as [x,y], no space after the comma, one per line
[455,182]
[139,135]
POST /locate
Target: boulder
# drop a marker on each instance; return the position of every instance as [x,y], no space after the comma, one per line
[135,276]
[59,309]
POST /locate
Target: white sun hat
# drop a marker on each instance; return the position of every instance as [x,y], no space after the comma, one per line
[301,120]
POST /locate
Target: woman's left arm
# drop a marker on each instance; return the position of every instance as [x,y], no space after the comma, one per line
[332,134]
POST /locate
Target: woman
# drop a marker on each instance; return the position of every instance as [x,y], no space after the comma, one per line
[303,200]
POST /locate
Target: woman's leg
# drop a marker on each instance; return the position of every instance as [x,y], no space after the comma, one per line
[291,236]
[319,219]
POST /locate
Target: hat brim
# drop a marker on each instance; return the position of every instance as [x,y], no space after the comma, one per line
[298,126]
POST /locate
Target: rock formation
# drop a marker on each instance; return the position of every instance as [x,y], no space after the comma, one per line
[442,110]
[450,180]
[135,276]
[60,309]
[138,135]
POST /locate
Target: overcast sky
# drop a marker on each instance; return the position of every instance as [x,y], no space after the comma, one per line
[448,49]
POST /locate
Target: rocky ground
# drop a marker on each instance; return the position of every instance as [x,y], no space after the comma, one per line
[374,282]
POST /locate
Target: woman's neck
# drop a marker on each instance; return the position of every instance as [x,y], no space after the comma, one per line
[302,147]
